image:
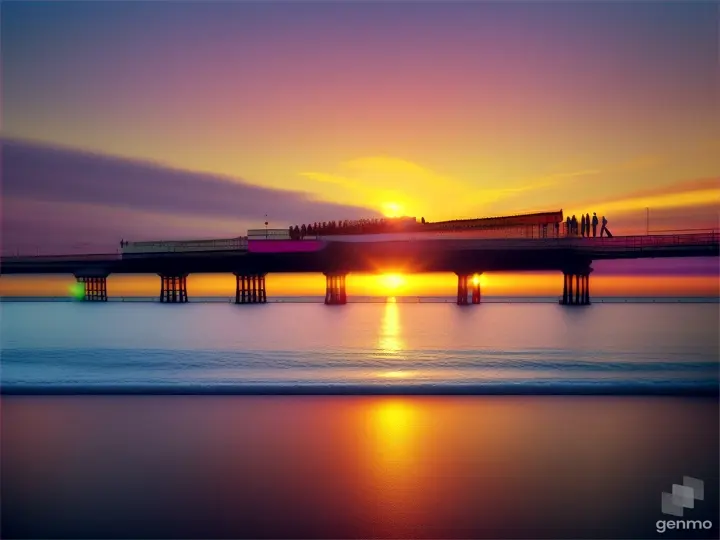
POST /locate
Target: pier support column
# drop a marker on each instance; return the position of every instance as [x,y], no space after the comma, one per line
[468,289]
[95,288]
[173,289]
[587,289]
[462,289]
[476,291]
[576,287]
[250,289]
[335,293]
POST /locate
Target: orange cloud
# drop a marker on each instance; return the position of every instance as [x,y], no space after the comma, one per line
[685,186]
[683,205]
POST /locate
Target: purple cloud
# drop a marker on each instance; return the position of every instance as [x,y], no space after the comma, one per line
[61,199]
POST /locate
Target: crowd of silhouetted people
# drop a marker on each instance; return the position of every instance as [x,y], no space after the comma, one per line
[347,226]
[587,226]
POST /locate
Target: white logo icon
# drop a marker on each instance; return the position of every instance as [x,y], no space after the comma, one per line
[683,496]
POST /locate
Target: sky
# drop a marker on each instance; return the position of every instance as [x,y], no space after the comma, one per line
[147,120]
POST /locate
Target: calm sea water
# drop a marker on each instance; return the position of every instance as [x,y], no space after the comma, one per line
[331,467]
[392,347]
[348,466]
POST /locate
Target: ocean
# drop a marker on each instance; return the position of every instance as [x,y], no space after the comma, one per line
[359,348]
[504,420]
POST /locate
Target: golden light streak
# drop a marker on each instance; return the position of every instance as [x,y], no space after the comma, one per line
[389,339]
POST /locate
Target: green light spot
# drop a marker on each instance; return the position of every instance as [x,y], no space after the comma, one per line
[77,291]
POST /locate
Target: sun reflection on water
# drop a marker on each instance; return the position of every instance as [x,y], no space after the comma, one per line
[392,451]
[392,421]
[390,342]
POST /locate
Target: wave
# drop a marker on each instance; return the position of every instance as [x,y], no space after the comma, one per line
[355,371]
[695,389]
[533,360]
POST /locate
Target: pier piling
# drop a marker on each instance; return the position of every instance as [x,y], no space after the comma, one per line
[335,292]
[468,286]
[173,289]
[250,289]
[576,287]
[95,288]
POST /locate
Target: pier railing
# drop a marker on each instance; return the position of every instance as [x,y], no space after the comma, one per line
[62,258]
[640,242]
[468,241]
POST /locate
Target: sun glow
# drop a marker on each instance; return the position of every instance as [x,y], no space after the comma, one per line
[392,209]
[396,374]
[392,281]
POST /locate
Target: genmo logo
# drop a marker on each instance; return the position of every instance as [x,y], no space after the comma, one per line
[682,496]
[684,524]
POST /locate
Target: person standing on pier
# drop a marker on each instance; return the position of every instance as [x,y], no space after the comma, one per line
[574,225]
[568,227]
[603,229]
[587,225]
[583,225]
[594,223]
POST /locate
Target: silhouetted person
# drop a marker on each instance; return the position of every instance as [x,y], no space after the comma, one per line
[582,225]
[422,220]
[594,223]
[574,225]
[568,226]
[587,225]
[603,229]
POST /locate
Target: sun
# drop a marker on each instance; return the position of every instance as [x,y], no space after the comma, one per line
[392,281]
[392,209]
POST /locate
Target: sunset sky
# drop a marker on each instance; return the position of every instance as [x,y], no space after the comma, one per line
[145,120]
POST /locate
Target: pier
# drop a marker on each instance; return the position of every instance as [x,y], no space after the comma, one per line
[571,257]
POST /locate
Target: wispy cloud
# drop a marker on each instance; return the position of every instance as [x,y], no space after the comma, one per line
[688,204]
[639,163]
[382,179]
[694,192]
